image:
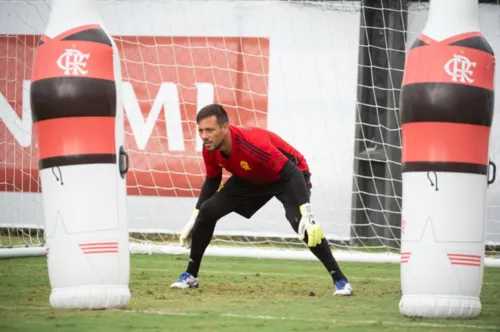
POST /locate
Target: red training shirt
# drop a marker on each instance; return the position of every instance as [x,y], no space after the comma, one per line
[257,155]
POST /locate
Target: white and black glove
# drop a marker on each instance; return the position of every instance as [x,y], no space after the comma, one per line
[309,226]
[185,235]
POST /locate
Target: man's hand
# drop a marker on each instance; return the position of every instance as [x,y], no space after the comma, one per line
[185,235]
[309,226]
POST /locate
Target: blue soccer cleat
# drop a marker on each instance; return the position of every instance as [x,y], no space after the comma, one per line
[343,288]
[186,280]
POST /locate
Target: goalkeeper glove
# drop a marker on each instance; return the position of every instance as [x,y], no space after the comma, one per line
[310,227]
[185,235]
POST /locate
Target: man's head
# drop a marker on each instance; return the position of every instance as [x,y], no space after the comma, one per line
[213,126]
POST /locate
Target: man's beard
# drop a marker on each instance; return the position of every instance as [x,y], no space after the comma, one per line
[219,145]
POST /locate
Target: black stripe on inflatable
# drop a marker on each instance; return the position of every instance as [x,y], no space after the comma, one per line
[477,43]
[438,102]
[83,159]
[444,167]
[418,43]
[64,97]
[91,35]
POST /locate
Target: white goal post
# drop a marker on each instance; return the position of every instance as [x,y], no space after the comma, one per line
[295,73]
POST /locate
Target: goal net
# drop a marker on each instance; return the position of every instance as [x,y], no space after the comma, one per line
[314,74]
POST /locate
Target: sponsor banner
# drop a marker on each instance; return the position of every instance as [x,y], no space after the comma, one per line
[166,80]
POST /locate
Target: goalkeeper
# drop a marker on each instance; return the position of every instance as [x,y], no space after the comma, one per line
[263,166]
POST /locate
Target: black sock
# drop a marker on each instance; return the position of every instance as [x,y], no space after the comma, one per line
[194,264]
[323,252]
[211,211]
[201,237]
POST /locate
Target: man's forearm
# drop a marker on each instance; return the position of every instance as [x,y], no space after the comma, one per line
[209,188]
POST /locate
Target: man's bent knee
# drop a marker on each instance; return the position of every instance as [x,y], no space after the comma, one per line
[213,209]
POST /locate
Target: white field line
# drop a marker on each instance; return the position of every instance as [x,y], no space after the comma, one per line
[297,319]
[329,321]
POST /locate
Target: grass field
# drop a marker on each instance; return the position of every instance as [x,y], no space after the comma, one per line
[235,295]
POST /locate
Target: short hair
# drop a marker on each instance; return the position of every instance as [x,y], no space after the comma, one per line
[213,110]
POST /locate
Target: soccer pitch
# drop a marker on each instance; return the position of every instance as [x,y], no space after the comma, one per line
[236,294]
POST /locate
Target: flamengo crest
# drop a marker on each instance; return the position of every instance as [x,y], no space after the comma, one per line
[245,165]
[73,62]
[460,69]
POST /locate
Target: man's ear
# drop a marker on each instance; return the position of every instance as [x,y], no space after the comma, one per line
[225,127]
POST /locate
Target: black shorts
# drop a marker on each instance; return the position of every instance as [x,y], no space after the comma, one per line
[245,198]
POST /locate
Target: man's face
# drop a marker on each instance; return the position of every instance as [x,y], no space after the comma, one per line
[211,133]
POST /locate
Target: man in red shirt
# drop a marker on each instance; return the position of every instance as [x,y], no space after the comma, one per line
[263,166]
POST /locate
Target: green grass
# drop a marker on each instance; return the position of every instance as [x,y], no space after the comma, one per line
[236,294]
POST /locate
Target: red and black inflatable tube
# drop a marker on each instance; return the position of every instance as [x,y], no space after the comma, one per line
[447,104]
[73,98]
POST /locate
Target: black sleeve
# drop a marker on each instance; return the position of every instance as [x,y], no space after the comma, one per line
[296,182]
[209,188]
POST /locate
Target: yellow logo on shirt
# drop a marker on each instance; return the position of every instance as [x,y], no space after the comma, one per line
[245,165]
